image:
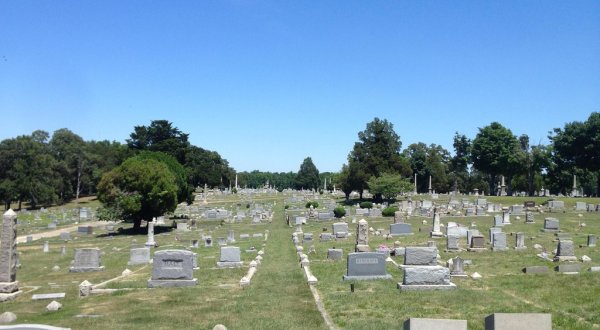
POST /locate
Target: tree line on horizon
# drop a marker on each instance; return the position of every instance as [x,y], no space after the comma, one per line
[41,170]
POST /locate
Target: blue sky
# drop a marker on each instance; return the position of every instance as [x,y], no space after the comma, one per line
[268,83]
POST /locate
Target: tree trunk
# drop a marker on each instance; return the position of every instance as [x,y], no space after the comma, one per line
[493,184]
[530,182]
[19,204]
[137,224]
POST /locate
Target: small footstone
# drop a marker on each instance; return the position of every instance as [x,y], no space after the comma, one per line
[219,327]
[54,306]
[7,317]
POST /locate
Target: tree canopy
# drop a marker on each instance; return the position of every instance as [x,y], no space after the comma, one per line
[308,175]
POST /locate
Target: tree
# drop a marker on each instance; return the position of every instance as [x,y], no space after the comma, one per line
[495,151]
[376,152]
[342,180]
[389,185]
[160,136]
[139,189]
[28,171]
[308,175]
[69,150]
[579,144]
[459,164]
[428,161]
[184,193]
[207,167]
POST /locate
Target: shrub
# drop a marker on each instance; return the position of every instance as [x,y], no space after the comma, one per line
[389,211]
[314,205]
[287,207]
[366,205]
[339,212]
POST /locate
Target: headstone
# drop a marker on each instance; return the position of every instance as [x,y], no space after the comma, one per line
[591,240]
[536,270]
[334,254]
[65,236]
[9,286]
[87,260]
[208,242]
[457,268]
[326,237]
[426,278]
[244,236]
[150,242]
[420,256]
[308,237]
[195,244]
[570,268]
[434,324]
[230,237]
[88,230]
[477,243]
[139,256]
[436,232]
[529,217]
[46,247]
[505,216]
[452,243]
[556,205]
[518,321]
[52,225]
[374,213]
[366,266]
[520,243]
[221,241]
[551,225]
[492,231]
[340,229]
[516,210]
[499,242]
[172,268]
[400,229]
[182,226]
[230,257]
[529,204]
[498,221]
[398,217]
[362,236]
[565,251]
[580,206]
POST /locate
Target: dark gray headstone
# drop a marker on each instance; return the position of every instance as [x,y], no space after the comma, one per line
[366,266]
[87,260]
[421,256]
[400,229]
[172,268]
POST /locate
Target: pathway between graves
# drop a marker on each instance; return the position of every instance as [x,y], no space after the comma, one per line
[54,233]
[279,284]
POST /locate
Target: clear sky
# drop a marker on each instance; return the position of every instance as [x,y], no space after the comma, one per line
[268,83]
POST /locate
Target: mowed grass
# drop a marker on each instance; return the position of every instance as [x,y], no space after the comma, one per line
[279,298]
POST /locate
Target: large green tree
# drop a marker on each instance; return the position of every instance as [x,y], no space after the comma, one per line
[308,175]
[140,188]
[579,143]
[389,185]
[459,163]
[161,136]
[377,151]
[496,151]
[428,161]
[70,151]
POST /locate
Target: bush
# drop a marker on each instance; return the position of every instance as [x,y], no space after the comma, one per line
[366,205]
[287,207]
[339,212]
[389,211]
[314,205]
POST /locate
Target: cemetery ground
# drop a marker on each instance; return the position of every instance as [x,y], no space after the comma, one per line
[279,297]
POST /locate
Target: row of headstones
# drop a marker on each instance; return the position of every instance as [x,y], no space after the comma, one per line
[421,269]
[496,321]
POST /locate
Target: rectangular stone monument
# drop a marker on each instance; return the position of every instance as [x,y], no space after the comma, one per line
[366,266]
[498,221]
[139,256]
[221,241]
[529,218]
[172,268]
[518,321]
[230,257]
[340,229]
[580,206]
[426,278]
[182,226]
[208,241]
[88,230]
[300,220]
[556,205]
[551,225]
[9,286]
[307,237]
[565,251]
[536,270]
[492,231]
[517,210]
[434,324]
[477,243]
[499,242]
[87,260]
[230,237]
[569,268]
[326,237]
[334,254]
[452,243]
[591,240]
[244,236]
[420,256]
[374,213]
[400,229]
[520,241]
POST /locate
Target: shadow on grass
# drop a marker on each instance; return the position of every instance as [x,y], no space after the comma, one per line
[136,231]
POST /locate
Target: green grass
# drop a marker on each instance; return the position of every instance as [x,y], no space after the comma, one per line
[279,298]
